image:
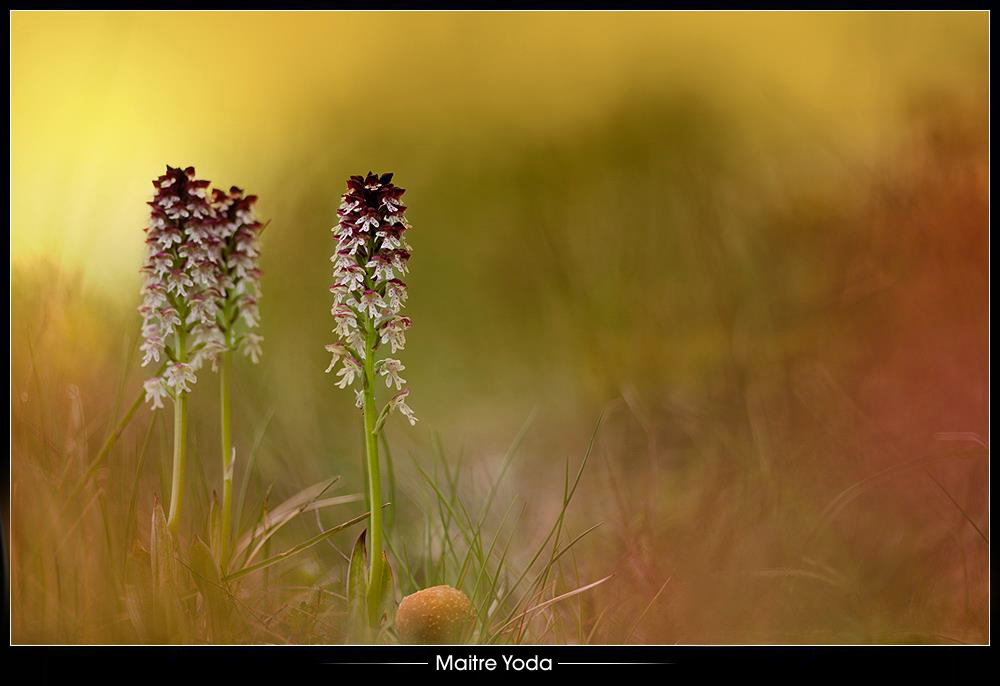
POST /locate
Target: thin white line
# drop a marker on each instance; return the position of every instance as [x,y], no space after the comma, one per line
[614,663]
[376,663]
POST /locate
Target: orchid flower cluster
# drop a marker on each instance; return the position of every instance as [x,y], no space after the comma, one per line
[202,284]
[368,293]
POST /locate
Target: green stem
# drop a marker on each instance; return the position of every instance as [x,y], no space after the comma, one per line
[180,447]
[375,569]
[228,458]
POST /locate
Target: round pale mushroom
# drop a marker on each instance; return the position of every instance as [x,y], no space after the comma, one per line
[439,614]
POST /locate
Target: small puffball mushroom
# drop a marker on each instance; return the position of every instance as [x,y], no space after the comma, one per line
[438,614]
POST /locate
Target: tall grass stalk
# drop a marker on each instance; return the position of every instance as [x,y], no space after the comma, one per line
[180,445]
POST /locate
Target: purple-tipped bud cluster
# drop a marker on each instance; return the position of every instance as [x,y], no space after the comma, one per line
[368,291]
[202,284]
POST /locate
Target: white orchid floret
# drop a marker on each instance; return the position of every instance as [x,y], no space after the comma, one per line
[156,391]
[168,201]
[177,212]
[351,275]
[390,369]
[357,341]
[391,204]
[207,342]
[205,272]
[250,344]
[395,294]
[154,295]
[350,240]
[178,375]
[337,350]
[371,302]
[151,349]
[241,262]
[399,258]
[340,294]
[247,245]
[249,311]
[343,259]
[161,262]
[178,282]
[381,267]
[398,402]
[198,232]
[348,371]
[389,241]
[245,216]
[250,285]
[168,319]
[346,321]
[169,234]
[202,309]
[393,332]
[368,221]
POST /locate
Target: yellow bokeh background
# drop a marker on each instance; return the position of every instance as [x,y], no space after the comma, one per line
[100,100]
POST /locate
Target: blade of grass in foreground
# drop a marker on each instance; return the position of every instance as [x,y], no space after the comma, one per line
[542,606]
[557,526]
[274,559]
[254,449]
[281,515]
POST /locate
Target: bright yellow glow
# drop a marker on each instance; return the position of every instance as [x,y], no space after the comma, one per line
[101,101]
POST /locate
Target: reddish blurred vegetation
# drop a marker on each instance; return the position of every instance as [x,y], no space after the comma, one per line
[843,495]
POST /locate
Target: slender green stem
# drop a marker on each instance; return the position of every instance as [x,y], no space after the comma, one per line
[180,446]
[228,458]
[375,569]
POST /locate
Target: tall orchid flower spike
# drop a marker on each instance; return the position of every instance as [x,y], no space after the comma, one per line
[199,299]
[237,296]
[178,308]
[369,262]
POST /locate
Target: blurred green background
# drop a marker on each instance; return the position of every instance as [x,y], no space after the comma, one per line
[758,240]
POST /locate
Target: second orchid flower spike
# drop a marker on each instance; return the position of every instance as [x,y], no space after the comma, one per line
[369,262]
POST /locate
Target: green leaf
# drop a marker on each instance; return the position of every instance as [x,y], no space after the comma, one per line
[205,570]
[161,549]
[387,592]
[356,584]
[203,563]
[138,591]
[215,527]
[168,612]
